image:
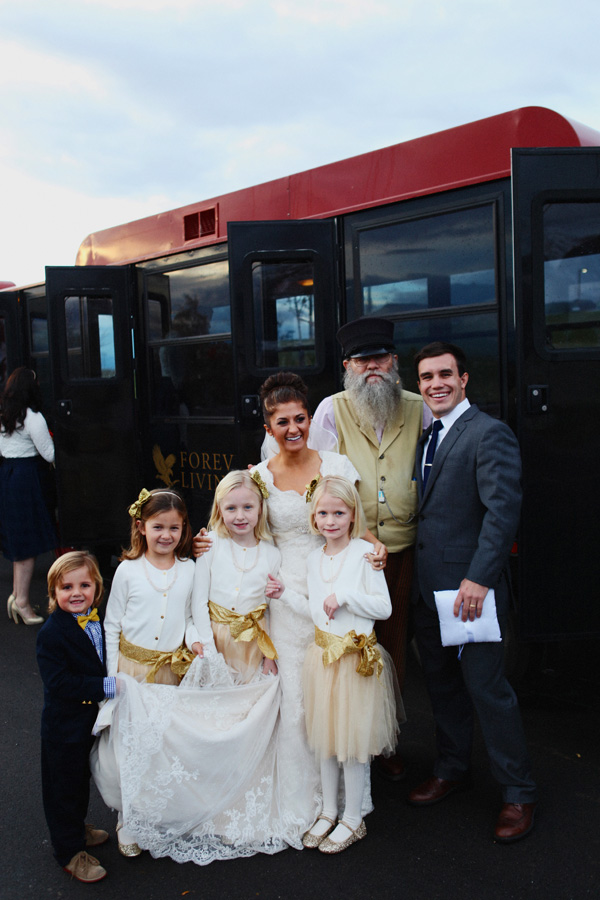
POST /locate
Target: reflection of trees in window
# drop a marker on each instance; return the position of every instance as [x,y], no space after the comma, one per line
[300,310]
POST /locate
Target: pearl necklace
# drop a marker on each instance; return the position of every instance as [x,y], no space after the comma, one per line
[242,569]
[162,590]
[333,575]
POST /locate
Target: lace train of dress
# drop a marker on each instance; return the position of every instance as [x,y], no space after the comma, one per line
[198,778]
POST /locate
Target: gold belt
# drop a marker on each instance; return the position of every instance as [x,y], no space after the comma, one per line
[244,627]
[179,660]
[334,647]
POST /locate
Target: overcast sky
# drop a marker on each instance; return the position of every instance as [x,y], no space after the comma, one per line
[115,109]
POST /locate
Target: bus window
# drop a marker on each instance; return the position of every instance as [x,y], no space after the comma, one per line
[189,302]
[39,335]
[572,275]
[477,335]
[284,314]
[190,370]
[435,276]
[90,337]
[192,379]
[445,260]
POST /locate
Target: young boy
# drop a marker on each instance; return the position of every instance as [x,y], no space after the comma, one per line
[71,659]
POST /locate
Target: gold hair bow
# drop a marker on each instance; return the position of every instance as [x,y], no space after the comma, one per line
[135,509]
[310,488]
[257,478]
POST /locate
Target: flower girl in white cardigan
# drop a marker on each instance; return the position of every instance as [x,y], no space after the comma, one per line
[231,583]
[349,696]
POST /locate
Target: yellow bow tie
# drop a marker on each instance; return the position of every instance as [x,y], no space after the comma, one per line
[83,620]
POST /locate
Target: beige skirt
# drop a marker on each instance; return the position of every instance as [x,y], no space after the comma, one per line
[347,715]
[244,657]
[139,671]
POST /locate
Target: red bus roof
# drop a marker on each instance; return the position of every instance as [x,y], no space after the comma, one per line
[468,154]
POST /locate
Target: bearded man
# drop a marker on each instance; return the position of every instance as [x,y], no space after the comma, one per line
[377,425]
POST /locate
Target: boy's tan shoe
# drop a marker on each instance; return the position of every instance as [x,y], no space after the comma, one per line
[86,868]
[95,836]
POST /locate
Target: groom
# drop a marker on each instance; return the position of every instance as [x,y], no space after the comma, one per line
[468,471]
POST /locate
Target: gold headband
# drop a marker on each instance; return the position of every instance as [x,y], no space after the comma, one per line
[257,479]
[135,510]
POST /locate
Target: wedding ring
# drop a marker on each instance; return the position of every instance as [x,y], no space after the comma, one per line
[473,606]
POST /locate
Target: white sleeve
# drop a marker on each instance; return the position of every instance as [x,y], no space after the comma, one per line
[37,429]
[370,598]
[200,627]
[115,613]
[297,602]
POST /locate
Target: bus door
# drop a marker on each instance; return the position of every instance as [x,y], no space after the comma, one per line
[91,349]
[284,298]
[556,197]
[11,350]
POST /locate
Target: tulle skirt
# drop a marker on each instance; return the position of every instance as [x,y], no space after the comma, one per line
[348,715]
[244,657]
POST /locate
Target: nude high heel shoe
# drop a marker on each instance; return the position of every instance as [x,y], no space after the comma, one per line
[15,612]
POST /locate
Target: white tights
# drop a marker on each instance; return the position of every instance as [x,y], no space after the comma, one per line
[354,786]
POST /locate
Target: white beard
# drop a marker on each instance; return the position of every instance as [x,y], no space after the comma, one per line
[376,402]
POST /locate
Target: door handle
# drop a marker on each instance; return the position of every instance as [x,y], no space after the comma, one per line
[537,399]
[250,406]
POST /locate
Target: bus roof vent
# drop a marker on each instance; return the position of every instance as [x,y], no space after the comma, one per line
[200,224]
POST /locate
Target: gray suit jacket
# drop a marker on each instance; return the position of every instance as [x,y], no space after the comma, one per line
[469,512]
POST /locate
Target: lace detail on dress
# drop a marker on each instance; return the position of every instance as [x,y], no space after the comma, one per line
[198,766]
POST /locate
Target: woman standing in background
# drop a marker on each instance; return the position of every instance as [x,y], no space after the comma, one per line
[26,526]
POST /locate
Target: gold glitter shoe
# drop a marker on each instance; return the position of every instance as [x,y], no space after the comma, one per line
[127,849]
[312,841]
[329,846]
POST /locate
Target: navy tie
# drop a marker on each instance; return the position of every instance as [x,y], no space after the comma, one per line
[435,430]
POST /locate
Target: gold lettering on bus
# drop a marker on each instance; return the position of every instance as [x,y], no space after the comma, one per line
[212,466]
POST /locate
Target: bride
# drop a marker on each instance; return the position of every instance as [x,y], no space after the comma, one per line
[290,475]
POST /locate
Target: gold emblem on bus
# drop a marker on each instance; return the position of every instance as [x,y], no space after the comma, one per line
[164,467]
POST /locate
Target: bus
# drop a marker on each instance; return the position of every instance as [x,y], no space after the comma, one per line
[152,348]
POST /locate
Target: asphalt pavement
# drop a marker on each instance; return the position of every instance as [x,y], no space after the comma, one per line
[438,853]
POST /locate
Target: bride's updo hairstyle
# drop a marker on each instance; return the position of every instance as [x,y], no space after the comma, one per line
[284,387]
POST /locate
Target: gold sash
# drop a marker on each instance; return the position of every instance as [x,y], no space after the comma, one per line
[179,660]
[245,627]
[334,647]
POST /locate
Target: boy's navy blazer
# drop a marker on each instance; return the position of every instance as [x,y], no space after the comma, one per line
[73,677]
